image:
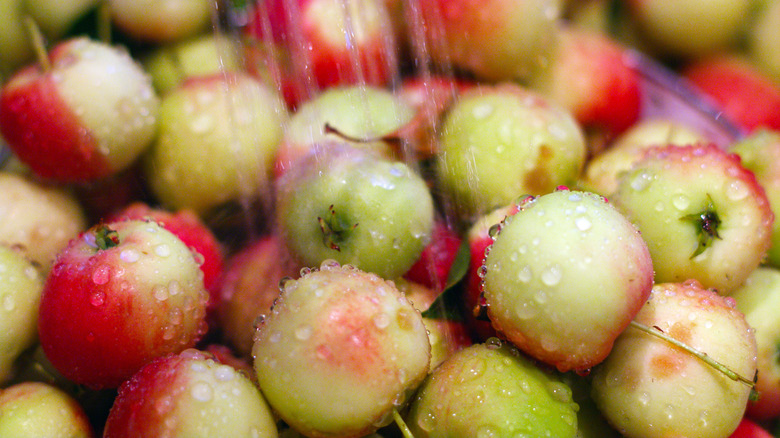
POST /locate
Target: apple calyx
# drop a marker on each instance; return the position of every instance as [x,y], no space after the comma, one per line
[334,230]
[105,237]
[707,223]
[704,357]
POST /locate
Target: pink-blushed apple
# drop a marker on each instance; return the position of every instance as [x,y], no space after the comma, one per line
[357,112]
[38,217]
[433,266]
[759,152]
[340,351]
[329,42]
[703,214]
[496,40]
[218,135]
[121,294]
[648,387]
[744,93]
[356,207]
[499,142]
[35,409]
[602,171]
[565,276]
[88,115]
[666,25]
[249,286]
[161,21]
[589,74]
[750,429]
[189,395]
[491,389]
[759,298]
[21,283]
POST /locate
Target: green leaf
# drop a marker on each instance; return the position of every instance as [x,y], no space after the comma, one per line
[447,305]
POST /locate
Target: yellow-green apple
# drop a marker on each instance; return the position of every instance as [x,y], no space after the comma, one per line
[340,351]
[189,395]
[751,99]
[15,44]
[361,115]
[171,64]
[589,74]
[759,299]
[703,214]
[760,153]
[88,115]
[57,18]
[356,207]
[161,21]
[249,286]
[35,410]
[121,294]
[603,170]
[503,141]
[496,40]
[565,276]
[21,284]
[649,387]
[37,217]
[491,389]
[666,25]
[763,38]
[217,139]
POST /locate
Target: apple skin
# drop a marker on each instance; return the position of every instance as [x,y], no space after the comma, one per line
[751,99]
[56,18]
[759,298]
[189,395]
[564,277]
[37,217]
[36,410]
[355,207]
[749,429]
[649,388]
[499,142]
[161,21]
[763,39]
[681,198]
[15,45]
[122,306]
[491,389]
[473,35]
[88,117]
[339,351]
[21,284]
[433,266]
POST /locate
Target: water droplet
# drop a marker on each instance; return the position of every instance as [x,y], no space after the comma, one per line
[303,332]
[129,255]
[160,292]
[482,111]
[493,343]
[202,391]
[381,321]
[582,223]
[737,190]
[641,181]
[680,202]
[162,250]
[552,275]
[224,373]
[101,275]
[9,303]
[201,124]
[98,298]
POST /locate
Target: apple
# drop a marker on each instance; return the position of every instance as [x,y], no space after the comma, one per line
[355,207]
[161,21]
[648,387]
[120,295]
[249,286]
[217,139]
[21,284]
[749,429]
[340,351]
[751,99]
[496,40]
[491,389]
[56,18]
[88,115]
[763,39]
[39,218]
[433,267]
[189,395]
[603,171]
[704,215]
[565,276]
[503,141]
[759,298]
[759,152]
[35,409]
[15,45]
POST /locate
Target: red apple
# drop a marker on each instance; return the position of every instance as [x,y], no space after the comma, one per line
[433,267]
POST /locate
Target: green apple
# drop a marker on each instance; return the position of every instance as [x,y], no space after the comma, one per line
[39,410]
[15,43]
[763,38]
[56,17]
[160,21]
[356,207]
[703,214]
[491,389]
[503,141]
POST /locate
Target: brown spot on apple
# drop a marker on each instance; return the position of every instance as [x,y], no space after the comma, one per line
[667,364]
[538,180]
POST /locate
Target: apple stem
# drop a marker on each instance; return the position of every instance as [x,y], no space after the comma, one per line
[399,421]
[104,22]
[105,237]
[38,42]
[657,332]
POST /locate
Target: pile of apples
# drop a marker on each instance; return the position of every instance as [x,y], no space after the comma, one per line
[388,218]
